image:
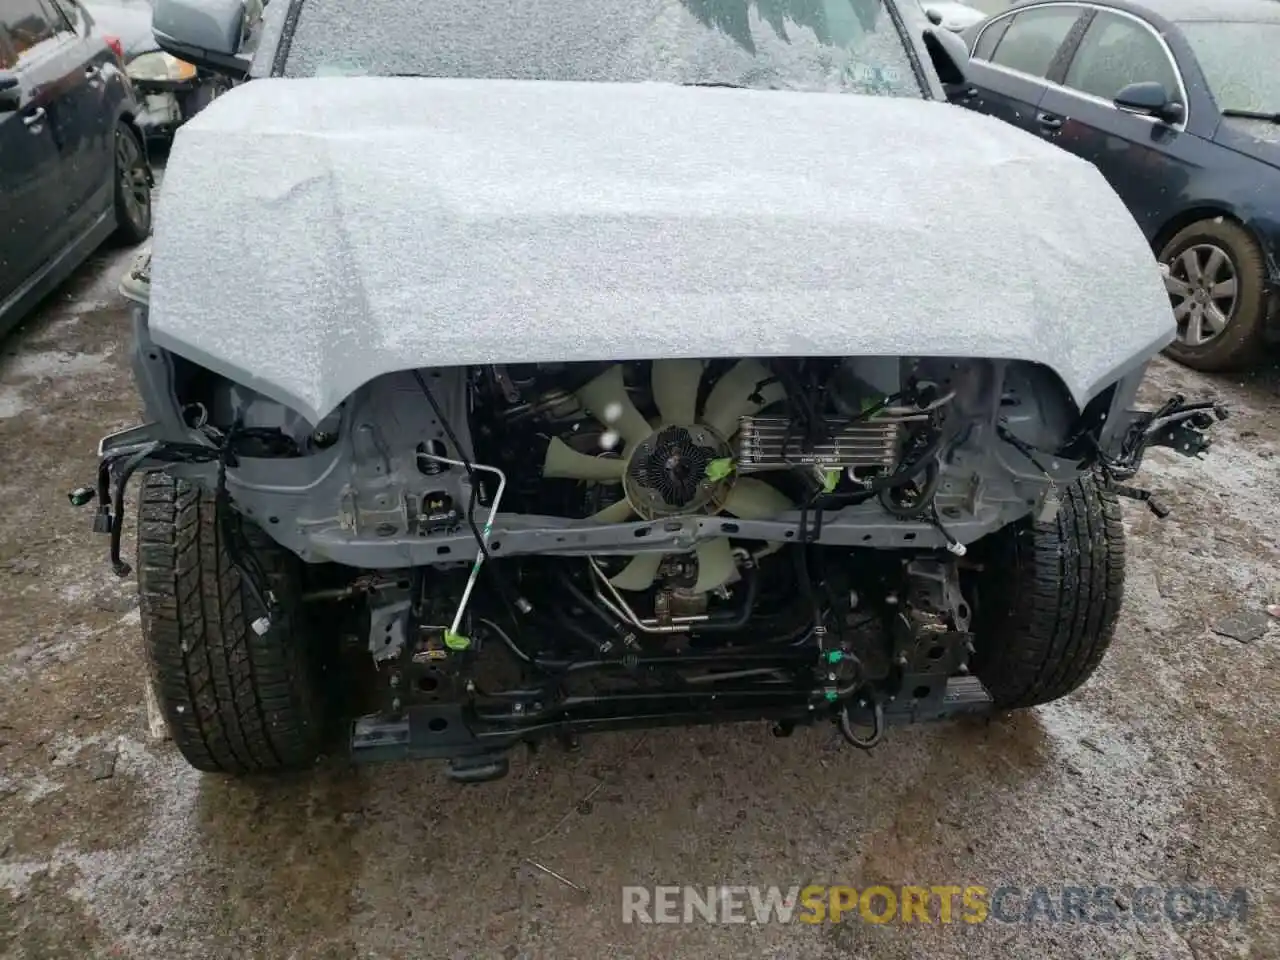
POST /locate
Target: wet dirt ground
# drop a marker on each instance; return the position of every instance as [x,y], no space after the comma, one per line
[1162,771]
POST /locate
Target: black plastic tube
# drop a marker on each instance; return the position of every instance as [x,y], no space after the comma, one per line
[726,620]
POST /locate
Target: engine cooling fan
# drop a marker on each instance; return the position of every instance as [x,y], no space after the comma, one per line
[664,466]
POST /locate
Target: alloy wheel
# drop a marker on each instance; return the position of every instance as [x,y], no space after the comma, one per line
[1203,288]
[135,179]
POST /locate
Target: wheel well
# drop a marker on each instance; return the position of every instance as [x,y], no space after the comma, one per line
[1196,214]
[1185,219]
[127,119]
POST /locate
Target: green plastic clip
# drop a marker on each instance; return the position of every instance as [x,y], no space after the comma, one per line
[835,656]
[831,695]
[829,480]
[456,641]
[720,468]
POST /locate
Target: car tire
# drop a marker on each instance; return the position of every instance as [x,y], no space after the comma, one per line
[1240,341]
[234,702]
[1048,597]
[132,187]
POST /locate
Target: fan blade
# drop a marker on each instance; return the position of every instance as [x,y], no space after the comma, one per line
[619,512]
[715,564]
[752,499]
[675,389]
[731,396]
[564,461]
[605,398]
[639,574]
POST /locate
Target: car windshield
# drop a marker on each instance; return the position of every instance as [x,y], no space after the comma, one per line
[1239,63]
[823,45]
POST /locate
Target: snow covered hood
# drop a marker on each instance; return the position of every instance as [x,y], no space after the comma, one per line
[315,234]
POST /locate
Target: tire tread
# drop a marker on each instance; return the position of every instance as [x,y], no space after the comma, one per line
[1058,589]
[234,701]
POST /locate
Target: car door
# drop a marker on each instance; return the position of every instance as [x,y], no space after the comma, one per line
[1011,57]
[32,192]
[1147,162]
[81,125]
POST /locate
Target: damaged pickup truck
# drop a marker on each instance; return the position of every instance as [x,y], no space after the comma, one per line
[548,391]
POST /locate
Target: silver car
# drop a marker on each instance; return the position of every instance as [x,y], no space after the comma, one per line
[555,368]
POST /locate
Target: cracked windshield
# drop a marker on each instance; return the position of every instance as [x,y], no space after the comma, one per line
[818,45]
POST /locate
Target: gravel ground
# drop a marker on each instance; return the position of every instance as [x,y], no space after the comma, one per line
[1161,771]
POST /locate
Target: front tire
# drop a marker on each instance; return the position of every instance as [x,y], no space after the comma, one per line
[1217,286]
[1048,598]
[235,702]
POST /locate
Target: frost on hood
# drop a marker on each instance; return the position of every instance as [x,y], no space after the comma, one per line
[318,233]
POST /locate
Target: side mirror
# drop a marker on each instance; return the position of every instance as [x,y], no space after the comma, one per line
[949,55]
[1150,99]
[207,33]
[10,92]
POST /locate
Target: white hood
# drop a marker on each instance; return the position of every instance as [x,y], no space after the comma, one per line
[315,234]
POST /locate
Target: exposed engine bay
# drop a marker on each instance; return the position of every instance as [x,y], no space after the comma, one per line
[735,439]
[565,547]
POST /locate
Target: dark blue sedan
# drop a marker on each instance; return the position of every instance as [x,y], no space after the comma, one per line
[1177,103]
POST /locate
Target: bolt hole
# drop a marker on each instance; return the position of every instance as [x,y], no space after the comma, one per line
[921,692]
[789,534]
[866,538]
[495,546]
[441,551]
[963,610]
[436,724]
[427,684]
[388,629]
[642,532]
[951,511]
[728,528]
[935,653]
[908,536]
[273,519]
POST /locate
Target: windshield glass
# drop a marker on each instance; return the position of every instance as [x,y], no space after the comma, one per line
[1239,63]
[826,45]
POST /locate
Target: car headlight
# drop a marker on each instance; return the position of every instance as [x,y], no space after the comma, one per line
[160,66]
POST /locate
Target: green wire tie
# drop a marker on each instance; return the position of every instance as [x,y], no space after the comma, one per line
[720,468]
[456,641]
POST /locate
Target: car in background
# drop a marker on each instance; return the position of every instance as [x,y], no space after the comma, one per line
[1177,103]
[73,164]
[172,90]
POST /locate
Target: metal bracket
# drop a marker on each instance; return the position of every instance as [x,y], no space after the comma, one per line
[1177,424]
[1186,436]
[387,627]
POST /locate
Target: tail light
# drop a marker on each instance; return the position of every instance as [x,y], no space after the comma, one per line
[116,46]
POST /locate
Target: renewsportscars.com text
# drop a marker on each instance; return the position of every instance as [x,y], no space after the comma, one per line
[943,904]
